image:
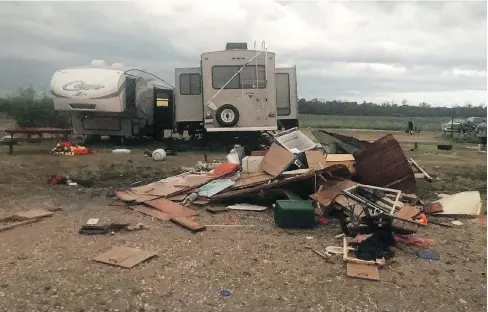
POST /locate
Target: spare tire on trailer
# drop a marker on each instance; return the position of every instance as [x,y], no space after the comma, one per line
[227,115]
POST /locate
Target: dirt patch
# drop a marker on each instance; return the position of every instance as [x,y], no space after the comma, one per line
[47,266]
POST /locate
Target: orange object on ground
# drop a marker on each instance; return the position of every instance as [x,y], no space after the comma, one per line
[224,169]
[422,218]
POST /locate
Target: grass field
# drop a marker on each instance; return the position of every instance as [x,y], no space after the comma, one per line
[371,122]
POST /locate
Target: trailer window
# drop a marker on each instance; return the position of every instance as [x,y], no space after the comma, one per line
[251,77]
[283,94]
[190,84]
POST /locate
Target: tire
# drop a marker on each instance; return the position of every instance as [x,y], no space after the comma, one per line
[227,115]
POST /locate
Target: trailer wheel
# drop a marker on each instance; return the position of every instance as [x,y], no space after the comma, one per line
[227,115]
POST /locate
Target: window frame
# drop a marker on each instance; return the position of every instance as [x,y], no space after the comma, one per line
[190,84]
[289,96]
[238,67]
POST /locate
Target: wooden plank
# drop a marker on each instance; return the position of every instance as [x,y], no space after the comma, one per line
[363,271]
[339,157]
[16,224]
[171,208]
[33,214]
[188,224]
[315,159]
[427,177]
[124,256]
[276,160]
[216,210]
[158,214]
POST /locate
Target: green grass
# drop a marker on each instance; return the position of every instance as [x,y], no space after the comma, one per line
[371,122]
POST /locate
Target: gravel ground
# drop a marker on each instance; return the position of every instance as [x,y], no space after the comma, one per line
[47,266]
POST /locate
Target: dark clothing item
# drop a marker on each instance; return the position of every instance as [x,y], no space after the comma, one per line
[377,246]
[410,125]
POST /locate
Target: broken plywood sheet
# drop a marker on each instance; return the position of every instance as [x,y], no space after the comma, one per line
[171,208]
[464,203]
[327,194]
[125,257]
[276,160]
[129,196]
[407,212]
[315,159]
[155,213]
[214,187]
[384,164]
[363,271]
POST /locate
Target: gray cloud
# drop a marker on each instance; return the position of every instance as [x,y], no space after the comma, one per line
[358,50]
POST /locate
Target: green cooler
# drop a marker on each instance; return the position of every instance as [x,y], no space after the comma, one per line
[298,214]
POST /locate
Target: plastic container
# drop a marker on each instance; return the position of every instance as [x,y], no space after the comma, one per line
[297,214]
[159,154]
[121,151]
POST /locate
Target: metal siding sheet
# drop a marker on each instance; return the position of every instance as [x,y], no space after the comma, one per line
[384,164]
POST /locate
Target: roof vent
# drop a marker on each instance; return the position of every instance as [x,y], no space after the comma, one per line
[98,63]
[236,46]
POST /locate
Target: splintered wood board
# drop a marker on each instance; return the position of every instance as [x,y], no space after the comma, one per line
[171,208]
[125,257]
[188,224]
[276,160]
[364,271]
[12,225]
[315,159]
[32,214]
[155,213]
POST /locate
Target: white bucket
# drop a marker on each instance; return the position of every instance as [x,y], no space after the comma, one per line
[159,154]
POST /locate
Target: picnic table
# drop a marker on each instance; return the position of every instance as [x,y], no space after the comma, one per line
[32,131]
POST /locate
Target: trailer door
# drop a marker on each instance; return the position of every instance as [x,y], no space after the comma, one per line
[163,109]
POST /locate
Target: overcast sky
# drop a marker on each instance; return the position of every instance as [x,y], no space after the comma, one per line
[373,51]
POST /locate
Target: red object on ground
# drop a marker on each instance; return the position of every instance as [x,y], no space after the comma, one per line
[223,169]
[422,218]
[323,220]
[55,179]
[414,240]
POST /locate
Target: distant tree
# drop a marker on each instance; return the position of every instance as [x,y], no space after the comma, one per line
[30,110]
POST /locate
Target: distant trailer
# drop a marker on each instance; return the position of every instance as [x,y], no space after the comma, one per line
[113,100]
[236,90]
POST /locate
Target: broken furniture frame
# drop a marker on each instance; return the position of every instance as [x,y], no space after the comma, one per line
[376,208]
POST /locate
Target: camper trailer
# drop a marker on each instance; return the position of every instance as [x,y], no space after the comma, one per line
[235,90]
[113,100]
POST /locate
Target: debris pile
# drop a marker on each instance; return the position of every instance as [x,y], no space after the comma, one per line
[68,148]
[368,186]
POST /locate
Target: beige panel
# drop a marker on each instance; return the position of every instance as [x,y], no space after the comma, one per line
[292,74]
[187,107]
[257,107]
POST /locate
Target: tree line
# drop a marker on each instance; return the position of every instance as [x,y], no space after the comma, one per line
[29,108]
[345,108]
